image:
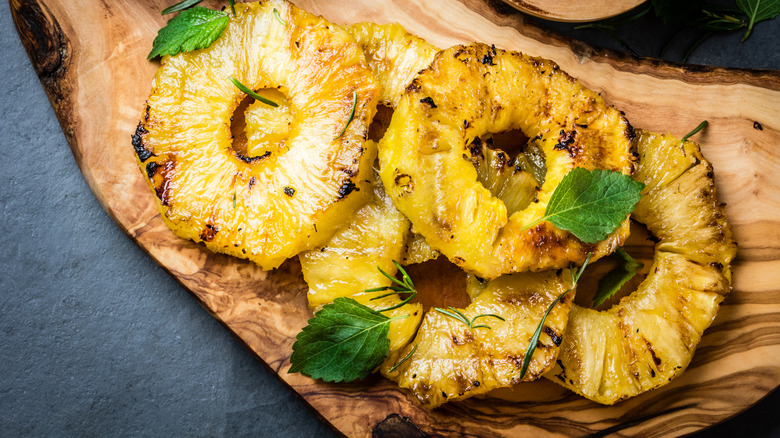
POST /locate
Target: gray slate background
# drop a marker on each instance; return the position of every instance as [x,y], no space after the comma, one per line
[99,341]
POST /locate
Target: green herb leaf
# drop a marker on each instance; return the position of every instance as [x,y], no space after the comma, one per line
[616,278]
[405,286]
[232,4]
[344,341]
[192,29]
[351,115]
[529,352]
[404,359]
[180,6]
[279,18]
[460,316]
[758,10]
[695,131]
[591,204]
[252,93]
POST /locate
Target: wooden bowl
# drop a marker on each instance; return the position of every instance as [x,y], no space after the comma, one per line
[574,11]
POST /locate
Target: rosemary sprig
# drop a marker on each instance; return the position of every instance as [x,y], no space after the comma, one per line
[250,92]
[701,126]
[529,352]
[351,115]
[279,18]
[404,286]
[180,6]
[457,314]
[404,359]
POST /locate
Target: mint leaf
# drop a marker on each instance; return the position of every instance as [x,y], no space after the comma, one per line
[591,204]
[192,29]
[616,278]
[758,10]
[180,6]
[344,341]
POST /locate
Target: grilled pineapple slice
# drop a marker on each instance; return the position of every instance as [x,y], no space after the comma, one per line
[449,361]
[394,55]
[347,265]
[270,207]
[378,234]
[469,92]
[650,336]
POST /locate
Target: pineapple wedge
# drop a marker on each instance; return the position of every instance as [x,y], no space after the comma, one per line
[650,336]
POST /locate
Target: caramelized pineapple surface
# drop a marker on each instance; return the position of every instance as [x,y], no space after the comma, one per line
[472,91]
[293,197]
[650,336]
[450,361]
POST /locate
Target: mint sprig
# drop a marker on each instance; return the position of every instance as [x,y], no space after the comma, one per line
[758,10]
[616,278]
[192,29]
[345,341]
[591,203]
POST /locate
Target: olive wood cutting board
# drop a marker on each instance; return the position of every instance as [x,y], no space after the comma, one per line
[91,59]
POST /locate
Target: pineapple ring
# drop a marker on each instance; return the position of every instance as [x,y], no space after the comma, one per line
[649,337]
[265,208]
[470,91]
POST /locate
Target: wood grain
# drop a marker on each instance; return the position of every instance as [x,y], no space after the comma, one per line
[90,57]
[574,11]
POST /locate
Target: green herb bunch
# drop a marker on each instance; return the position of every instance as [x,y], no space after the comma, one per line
[703,18]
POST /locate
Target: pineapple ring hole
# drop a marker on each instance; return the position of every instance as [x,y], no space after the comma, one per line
[380,122]
[639,245]
[259,129]
[439,283]
[510,167]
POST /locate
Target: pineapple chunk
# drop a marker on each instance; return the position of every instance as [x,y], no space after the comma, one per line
[347,265]
[452,362]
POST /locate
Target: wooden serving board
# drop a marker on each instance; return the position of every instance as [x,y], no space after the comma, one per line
[91,59]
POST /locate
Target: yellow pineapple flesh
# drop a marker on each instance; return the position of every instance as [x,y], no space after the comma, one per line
[449,361]
[649,337]
[348,265]
[394,55]
[473,91]
[265,208]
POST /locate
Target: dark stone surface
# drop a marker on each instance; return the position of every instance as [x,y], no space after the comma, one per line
[98,341]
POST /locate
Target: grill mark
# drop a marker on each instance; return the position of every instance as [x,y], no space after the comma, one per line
[429,101]
[554,336]
[250,160]
[346,188]
[208,233]
[165,170]
[138,142]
